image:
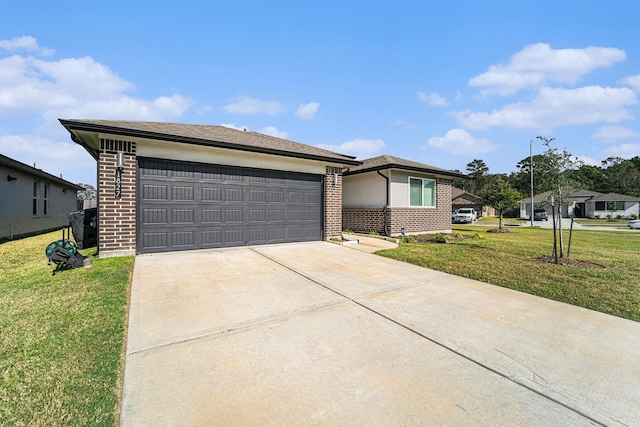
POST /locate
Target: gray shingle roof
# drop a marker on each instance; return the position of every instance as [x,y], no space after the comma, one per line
[387,162]
[587,195]
[615,197]
[209,135]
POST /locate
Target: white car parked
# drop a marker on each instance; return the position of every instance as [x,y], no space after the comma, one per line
[467,215]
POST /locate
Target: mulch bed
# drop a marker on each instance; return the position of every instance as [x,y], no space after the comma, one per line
[439,238]
[569,262]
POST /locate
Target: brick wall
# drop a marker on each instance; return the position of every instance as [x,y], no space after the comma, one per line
[413,220]
[363,220]
[117,216]
[332,203]
[418,220]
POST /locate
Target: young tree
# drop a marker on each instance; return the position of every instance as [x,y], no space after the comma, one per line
[501,196]
[558,169]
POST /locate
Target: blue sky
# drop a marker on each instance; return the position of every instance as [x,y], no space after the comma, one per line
[441,83]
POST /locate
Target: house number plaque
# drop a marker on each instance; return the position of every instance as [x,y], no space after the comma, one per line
[118,183]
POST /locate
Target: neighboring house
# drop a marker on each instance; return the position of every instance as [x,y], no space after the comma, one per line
[587,204]
[32,201]
[170,187]
[390,195]
[464,199]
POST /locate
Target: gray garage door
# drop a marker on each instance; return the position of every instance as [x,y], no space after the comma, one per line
[185,206]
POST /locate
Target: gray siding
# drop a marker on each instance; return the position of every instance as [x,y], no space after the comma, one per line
[16,204]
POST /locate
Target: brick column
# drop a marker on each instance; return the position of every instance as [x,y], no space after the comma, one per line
[116,216]
[332,203]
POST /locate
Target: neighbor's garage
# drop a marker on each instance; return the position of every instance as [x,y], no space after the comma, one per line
[184,206]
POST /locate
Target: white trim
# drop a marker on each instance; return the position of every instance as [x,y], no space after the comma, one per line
[435,186]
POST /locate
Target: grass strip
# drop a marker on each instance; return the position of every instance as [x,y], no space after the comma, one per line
[62,337]
[609,282]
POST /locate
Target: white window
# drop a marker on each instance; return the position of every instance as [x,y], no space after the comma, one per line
[422,192]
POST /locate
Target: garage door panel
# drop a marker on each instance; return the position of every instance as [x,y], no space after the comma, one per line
[190,206]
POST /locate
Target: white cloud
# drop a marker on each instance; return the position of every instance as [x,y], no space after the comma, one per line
[587,160]
[359,147]
[614,133]
[245,105]
[52,156]
[626,151]
[232,126]
[633,81]
[271,130]
[554,107]
[75,88]
[460,143]
[538,64]
[27,43]
[307,111]
[433,98]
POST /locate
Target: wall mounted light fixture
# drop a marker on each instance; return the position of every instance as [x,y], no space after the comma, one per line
[11,178]
[120,160]
[335,179]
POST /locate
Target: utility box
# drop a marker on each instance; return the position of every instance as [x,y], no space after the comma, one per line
[84,226]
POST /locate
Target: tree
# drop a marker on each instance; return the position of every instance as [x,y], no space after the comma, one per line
[89,192]
[477,171]
[521,180]
[558,168]
[500,195]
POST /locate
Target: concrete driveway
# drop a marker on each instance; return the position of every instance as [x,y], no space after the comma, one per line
[321,334]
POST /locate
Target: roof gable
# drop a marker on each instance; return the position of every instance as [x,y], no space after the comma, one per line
[390,162]
[207,135]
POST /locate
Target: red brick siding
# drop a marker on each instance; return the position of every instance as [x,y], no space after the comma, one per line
[117,217]
[332,203]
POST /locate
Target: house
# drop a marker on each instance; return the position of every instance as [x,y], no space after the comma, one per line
[32,201]
[391,195]
[171,187]
[587,204]
[464,199]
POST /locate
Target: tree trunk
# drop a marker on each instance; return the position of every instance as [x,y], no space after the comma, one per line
[561,240]
[500,221]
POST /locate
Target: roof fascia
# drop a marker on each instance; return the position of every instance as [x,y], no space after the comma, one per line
[407,168]
[134,133]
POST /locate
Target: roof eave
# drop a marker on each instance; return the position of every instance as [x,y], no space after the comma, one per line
[92,127]
[404,167]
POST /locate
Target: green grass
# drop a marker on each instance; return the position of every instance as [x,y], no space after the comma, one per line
[490,220]
[62,337]
[611,285]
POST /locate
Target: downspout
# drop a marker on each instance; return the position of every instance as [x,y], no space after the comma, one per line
[386,207]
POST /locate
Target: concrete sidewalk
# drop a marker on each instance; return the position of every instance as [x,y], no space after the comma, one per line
[321,334]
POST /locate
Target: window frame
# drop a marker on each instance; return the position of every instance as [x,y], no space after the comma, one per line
[422,180]
[45,199]
[34,196]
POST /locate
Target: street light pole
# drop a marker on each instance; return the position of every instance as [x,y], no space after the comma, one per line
[531,171]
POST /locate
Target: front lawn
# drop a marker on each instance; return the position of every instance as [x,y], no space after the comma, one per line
[62,337]
[610,283]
